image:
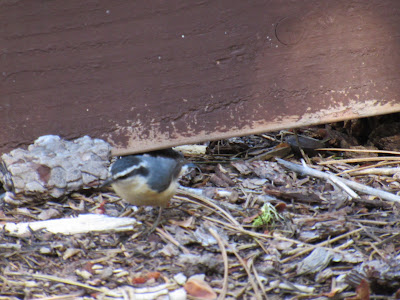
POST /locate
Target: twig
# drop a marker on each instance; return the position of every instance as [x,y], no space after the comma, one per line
[170,238]
[65,297]
[209,202]
[354,185]
[372,222]
[255,234]
[379,252]
[375,166]
[335,180]
[323,244]
[338,182]
[375,171]
[226,266]
[359,150]
[246,268]
[258,279]
[104,290]
[276,152]
[361,159]
[389,239]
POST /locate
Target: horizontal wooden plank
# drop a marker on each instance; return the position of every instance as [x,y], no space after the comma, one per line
[150,74]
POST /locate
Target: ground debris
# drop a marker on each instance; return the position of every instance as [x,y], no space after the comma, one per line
[382,275]
[322,242]
[318,260]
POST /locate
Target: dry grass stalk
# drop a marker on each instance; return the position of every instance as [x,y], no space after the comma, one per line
[226,263]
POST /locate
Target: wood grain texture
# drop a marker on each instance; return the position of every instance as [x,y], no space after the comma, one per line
[150,74]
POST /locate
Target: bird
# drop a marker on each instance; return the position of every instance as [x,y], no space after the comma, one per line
[148,179]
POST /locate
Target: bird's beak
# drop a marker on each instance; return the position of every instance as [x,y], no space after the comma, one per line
[107,182]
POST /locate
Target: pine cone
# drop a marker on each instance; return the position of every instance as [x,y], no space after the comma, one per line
[53,167]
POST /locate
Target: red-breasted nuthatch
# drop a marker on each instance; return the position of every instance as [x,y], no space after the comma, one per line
[149,179]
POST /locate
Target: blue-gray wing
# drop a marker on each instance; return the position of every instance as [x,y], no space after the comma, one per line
[163,171]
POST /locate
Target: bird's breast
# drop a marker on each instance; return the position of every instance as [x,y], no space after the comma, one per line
[137,192]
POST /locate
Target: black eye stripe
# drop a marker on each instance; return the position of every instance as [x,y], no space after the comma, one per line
[139,171]
[124,163]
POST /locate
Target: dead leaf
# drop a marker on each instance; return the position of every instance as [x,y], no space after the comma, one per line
[280,207]
[397,294]
[185,223]
[362,291]
[253,183]
[243,167]
[50,213]
[200,289]
[315,262]
[271,171]
[331,294]
[143,278]
[250,219]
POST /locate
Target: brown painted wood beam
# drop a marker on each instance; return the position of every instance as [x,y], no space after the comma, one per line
[151,74]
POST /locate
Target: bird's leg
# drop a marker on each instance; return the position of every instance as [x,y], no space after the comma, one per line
[155,224]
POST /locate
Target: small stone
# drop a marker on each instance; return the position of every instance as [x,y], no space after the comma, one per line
[45,250]
[179,294]
[106,273]
[70,252]
[180,278]
[84,274]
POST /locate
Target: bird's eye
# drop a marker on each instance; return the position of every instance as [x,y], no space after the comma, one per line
[125,176]
[142,171]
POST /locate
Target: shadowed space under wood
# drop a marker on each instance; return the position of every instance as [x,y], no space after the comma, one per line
[145,76]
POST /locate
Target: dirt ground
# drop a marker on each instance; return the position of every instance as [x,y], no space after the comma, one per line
[256,230]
